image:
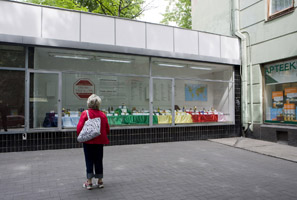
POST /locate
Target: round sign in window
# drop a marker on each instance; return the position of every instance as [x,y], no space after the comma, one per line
[83,88]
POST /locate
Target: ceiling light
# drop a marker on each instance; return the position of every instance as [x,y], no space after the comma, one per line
[71,56]
[170,65]
[117,61]
[202,68]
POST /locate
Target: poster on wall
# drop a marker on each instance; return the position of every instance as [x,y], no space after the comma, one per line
[83,88]
[195,92]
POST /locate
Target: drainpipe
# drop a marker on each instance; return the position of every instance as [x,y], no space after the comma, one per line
[243,71]
[251,80]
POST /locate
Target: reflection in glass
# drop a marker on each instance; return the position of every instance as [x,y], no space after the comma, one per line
[162,98]
[12,100]
[203,101]
[43,100]
[189,69]
[12,56]
[125,100]
[87,61]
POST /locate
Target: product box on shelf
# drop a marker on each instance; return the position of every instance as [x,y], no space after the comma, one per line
[277,99]
[275,114]
[291,95]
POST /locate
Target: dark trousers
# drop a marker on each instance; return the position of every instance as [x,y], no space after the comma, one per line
[94,160]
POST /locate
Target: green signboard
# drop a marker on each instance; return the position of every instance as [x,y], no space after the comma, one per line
[281,72]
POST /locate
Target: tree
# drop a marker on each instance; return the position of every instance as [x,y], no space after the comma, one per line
[68,4]
[178,11]
[120,8]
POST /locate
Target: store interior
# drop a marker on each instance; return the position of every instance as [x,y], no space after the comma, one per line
[123,82]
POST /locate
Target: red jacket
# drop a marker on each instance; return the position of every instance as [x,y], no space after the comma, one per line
[102,138]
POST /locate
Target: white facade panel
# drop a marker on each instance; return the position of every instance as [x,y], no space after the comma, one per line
[159,37]
[185,41]
[130,33]
[97,29]
[258,15]
[230,48]
[20,19]
[60,24]
[209,45]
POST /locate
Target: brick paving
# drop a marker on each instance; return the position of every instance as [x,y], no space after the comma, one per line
[173,171]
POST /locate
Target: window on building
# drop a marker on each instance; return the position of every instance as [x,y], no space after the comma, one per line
[203,92]
[279,7]
[281,92]
[122,82]
[182,92]
[12,56]
[12,90]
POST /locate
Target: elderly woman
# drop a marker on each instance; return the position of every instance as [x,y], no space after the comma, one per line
[93,149]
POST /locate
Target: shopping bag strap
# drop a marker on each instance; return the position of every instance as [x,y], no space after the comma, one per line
[88,114]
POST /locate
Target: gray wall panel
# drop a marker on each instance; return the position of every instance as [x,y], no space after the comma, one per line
[212,16]
[185,41]
[159,37]
[252,15]
[268,30]
[20,18]
[209,45]
[130,33]
[279,48]
[60,24]
[97,29]
[245,3]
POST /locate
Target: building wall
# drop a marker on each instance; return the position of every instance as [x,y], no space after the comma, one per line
[212,16]
[268,40]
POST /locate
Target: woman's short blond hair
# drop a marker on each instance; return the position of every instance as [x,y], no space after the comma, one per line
[94,102]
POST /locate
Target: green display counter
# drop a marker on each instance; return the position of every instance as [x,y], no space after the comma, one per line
[131,120]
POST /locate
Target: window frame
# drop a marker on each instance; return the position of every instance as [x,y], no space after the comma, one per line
[279,13]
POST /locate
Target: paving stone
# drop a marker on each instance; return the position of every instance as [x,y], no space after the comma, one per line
[175,171]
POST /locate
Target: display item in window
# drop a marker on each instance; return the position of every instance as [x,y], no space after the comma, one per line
[278,99]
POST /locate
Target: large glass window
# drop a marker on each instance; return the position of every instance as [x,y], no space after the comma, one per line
[125,99]
[203,92]
[183,92]
[281,92]
[203,101]
[12,91]
[44,100]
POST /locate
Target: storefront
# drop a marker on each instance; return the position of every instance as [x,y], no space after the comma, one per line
[147,95]
[280,100]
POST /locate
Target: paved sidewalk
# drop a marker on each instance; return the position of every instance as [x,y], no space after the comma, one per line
[282,151]
[161,171]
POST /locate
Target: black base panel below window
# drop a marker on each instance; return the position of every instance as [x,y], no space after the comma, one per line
[66,140]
